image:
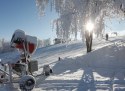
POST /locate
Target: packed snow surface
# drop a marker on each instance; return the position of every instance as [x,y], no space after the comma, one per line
[103,69]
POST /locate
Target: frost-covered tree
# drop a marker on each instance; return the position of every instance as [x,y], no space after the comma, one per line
[47,41]
[5,46]
[1,47]
[75,15]
[44,42]
[40,43]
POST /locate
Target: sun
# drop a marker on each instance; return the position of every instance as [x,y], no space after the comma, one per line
[89,26]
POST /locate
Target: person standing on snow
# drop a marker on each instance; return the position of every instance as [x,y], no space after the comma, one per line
[106,36]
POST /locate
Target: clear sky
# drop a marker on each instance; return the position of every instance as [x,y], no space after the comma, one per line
[116,26]
[23,14]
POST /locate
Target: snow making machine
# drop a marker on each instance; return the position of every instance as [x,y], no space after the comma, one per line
[22,65]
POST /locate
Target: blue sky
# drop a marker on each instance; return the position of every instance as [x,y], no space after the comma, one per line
[23,14]
[115,25]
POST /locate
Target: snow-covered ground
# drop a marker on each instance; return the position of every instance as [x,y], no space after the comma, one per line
[103,69]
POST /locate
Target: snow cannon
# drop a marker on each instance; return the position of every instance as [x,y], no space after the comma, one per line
[24,42]
[28,45]
[22,65]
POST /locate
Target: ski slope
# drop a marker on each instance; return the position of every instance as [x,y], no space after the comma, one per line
[103,69]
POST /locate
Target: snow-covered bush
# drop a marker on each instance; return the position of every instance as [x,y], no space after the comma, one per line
[1,46]
[44,42]
[5,46]
[40,43]
[47,42]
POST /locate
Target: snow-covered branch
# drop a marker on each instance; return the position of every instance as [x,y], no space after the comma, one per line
[74,14]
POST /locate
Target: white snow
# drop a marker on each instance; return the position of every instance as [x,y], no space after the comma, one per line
[19,34]
[31,39]
[103,69]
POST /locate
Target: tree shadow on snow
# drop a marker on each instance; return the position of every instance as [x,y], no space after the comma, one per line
[81,75]
[84,79]
[78,79]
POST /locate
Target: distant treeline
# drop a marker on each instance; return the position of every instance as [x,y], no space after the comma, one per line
[5,45]
[44,42]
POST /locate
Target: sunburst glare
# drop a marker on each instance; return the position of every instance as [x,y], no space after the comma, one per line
[89,26]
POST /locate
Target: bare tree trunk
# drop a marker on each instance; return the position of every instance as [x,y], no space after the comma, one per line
[87,44]
[91,35]
[89,41]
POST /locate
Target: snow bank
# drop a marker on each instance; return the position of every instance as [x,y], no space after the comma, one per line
[112,56]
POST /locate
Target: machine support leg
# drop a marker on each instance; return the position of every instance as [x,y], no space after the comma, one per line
[25,59]
[10,72]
